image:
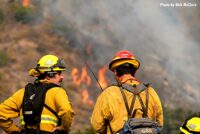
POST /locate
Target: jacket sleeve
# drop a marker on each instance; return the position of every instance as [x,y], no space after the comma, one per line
[101,113]
[10,109]
[65,110]
[157,107]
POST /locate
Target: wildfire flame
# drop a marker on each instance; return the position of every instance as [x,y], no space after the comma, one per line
[85,97]
[84,77]
[83,80]
[101,77]
[26,3]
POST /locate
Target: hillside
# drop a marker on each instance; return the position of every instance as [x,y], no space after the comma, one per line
[167,48]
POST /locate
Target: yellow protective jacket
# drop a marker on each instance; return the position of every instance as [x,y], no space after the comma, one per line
[56,98]
[110,106]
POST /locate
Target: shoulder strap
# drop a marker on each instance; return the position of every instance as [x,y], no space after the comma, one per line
[136,91]
[53,112]
[128,88]
[147,100]
[142,105]
[147,85]
[145,109]
[129,110]
[51,85]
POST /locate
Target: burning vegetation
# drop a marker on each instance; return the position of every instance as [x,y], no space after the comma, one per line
[23,42]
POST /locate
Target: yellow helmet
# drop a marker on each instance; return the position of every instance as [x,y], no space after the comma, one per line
[48,63]
[122,57]
[191,126]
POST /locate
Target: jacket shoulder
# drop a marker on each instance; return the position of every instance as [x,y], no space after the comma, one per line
[111,88]
[19,93]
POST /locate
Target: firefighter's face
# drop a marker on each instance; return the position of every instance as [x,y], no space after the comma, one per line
[57,79]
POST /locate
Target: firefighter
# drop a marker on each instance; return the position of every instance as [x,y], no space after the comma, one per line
[109,113]
[48,71]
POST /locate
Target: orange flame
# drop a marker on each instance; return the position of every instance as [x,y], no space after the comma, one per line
[26,3]
[85,97]
[75,76]
[101,77]
[84,77]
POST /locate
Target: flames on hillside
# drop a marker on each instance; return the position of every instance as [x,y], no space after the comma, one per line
[26,3]
[82,79]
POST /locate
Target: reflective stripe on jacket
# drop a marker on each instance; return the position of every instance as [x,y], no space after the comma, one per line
[56,98]
[47,119]
[110,106]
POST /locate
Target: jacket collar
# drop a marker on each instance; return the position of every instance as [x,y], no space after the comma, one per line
[129,79]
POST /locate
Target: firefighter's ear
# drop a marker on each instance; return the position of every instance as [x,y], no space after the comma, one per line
[115,72]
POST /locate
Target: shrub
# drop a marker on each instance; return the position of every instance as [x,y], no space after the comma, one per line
[27,15]
[174,119]
[22,14]
[1,75]
[3,58]
[1,16]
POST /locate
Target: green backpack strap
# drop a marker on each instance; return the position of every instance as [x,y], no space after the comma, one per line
[129,110]
[144,109]
[136,90]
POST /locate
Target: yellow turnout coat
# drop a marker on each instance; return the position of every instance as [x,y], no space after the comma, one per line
[56,98]
[110,106]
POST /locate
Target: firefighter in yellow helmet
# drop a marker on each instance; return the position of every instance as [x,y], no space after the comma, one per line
[109,114]
[57,114]
[191,126]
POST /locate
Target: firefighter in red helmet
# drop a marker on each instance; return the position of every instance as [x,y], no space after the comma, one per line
[110,114]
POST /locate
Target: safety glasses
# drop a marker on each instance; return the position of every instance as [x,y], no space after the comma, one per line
[60,64]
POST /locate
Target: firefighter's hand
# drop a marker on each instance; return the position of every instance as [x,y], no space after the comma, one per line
[59,128]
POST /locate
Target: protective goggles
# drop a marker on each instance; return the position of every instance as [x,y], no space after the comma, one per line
[60,64]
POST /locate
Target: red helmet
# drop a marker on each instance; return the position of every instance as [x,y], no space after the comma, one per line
[122,57]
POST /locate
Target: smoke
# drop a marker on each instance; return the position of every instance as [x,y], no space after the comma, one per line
[153,32]
[167,29]
[169,32]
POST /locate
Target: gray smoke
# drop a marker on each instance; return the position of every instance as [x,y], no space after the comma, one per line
[156,33]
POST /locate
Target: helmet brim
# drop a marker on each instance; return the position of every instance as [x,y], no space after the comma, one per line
[184,131]
[119,62]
